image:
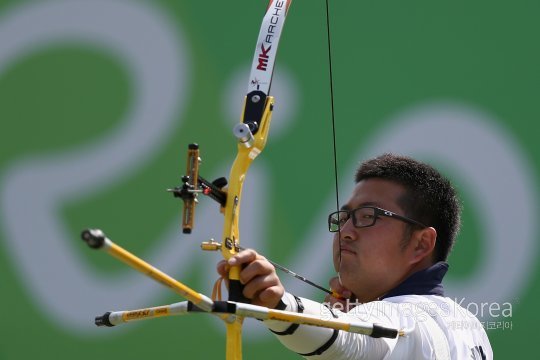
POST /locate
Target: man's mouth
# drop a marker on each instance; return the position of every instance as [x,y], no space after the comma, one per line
[347,250]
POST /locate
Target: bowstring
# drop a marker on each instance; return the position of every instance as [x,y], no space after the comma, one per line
[331,81]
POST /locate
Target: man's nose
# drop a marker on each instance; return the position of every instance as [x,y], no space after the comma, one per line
[348,230]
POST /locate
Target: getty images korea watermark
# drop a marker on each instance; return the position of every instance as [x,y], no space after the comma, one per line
[499,314]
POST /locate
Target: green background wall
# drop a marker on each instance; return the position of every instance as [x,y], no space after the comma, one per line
[99,99]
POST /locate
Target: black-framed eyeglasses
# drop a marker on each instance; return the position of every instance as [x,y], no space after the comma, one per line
[364,216]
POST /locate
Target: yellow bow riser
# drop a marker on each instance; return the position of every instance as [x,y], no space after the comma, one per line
[248,150]
[242,162]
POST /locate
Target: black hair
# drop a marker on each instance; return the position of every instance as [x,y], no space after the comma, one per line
[429,197]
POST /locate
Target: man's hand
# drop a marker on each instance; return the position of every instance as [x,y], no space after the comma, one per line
[262,285]
[342,303]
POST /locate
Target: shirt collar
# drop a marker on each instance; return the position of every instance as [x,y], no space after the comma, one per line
[423,282]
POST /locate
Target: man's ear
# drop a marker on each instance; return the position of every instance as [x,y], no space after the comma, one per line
[423,244]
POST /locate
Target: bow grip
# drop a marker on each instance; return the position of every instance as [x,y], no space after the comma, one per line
[236,289]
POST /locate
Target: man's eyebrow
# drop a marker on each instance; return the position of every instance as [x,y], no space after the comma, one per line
[367,203]
[370,203]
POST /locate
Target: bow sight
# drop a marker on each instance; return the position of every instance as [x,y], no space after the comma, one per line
[193,184]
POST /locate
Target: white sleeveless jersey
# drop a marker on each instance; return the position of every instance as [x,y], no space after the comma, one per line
[435,327]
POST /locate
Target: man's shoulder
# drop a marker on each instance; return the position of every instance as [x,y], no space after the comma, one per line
[438,307]
[462,329]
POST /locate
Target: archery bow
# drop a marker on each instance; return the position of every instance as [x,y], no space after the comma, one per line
[251,134]
[256,116]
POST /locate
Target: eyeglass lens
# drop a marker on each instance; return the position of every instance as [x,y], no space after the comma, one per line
[362,217]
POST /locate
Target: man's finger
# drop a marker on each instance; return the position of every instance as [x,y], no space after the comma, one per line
[256,268]
[338,288]
[258,284]
[244,256]
[223,268]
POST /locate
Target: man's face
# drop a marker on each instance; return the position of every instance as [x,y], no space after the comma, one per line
[373,260]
